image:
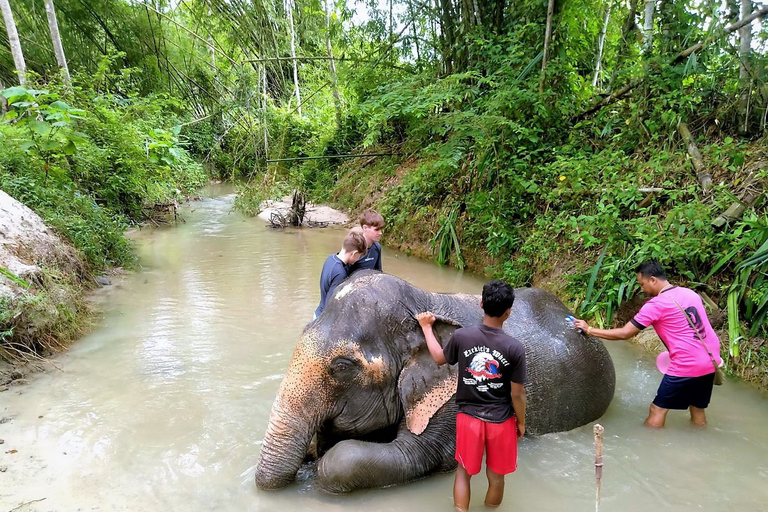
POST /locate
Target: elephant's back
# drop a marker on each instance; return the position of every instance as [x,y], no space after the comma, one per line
[571,377]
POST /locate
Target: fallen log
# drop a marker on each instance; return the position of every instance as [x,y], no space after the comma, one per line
[702,173]
[737,208]
[752,190]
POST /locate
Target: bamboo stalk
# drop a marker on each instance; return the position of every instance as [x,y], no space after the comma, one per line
[737,208]
[702,174]
[547,39]
[598,430]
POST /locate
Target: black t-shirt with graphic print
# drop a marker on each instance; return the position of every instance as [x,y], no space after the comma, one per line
[488,360]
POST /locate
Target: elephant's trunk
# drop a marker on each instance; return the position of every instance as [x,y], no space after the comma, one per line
[298,411]
[284,448]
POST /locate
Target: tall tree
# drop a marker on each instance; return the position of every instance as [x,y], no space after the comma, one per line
[601,43]
[332,65]
[650,6]
[627,30]
[289,8]
[13,40]
[58,49]
[745,49]
[3,101]
[547,38]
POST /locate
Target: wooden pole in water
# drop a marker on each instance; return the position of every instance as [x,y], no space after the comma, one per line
[598,429]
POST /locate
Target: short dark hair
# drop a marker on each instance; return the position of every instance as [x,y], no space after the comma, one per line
[371,218]
[354,242]
[651,268]
[498,297]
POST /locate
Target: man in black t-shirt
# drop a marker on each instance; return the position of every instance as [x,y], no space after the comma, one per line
[490,393]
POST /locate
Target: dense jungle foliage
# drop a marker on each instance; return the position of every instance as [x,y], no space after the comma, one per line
[552,143]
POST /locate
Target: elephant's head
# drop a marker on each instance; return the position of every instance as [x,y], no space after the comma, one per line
[357,371]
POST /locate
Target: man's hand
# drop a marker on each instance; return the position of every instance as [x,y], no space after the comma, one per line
[520,429]
[581,324]
[425,319]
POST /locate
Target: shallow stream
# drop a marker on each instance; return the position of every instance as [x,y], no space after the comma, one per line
[163,407]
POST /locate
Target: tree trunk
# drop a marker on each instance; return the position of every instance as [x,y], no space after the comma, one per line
[263,105]
[447,34]
[13,39]
[629,26]
[58,49]
[745,39]
[650,6]
[415,32]
[547,37]
[601,44]
[3,101]
[289,8]
[332,65]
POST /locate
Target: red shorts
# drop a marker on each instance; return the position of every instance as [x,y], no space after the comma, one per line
[498,440]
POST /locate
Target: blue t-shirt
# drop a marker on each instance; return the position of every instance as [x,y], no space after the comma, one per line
[372,260]
[333,273]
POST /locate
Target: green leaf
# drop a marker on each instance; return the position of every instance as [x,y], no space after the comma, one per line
[13,277]
[59,105]
[50,145]
[593,278]
[10,116]
[40,127]
[69,148]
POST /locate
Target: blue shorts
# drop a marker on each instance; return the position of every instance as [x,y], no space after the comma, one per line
[683,392]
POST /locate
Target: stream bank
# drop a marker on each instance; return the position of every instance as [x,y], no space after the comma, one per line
[43,279]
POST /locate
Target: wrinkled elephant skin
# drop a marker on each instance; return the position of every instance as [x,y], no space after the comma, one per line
[362,381]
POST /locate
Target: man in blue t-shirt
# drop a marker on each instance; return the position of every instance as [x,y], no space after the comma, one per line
[335,266]
[371,223]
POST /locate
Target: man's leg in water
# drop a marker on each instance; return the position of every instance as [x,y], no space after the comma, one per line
[698,417]
[495,488]
[461,490]
[656,417]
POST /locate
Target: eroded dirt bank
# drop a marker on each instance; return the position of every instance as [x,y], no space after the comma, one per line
[42,280]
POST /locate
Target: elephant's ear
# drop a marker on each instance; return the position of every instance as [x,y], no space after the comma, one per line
[424,386]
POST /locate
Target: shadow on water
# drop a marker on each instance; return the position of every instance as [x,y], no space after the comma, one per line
[163,406]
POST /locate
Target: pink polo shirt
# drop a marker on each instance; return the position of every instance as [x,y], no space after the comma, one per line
[687,354]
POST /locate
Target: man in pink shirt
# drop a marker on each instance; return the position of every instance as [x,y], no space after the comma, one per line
[688,381]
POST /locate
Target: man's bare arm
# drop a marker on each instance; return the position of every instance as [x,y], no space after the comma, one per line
[519,402]
[621,333]
[426,320]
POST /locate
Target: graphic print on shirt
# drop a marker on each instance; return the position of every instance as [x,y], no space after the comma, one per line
[485,365]
[693,315]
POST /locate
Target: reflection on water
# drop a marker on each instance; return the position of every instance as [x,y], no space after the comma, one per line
[164,406]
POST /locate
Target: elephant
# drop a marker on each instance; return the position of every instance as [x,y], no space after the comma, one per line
[363,392]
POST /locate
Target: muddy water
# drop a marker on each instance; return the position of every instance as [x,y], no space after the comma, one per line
[163,407]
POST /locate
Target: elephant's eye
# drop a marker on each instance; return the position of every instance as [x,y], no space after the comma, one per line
[343,368]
